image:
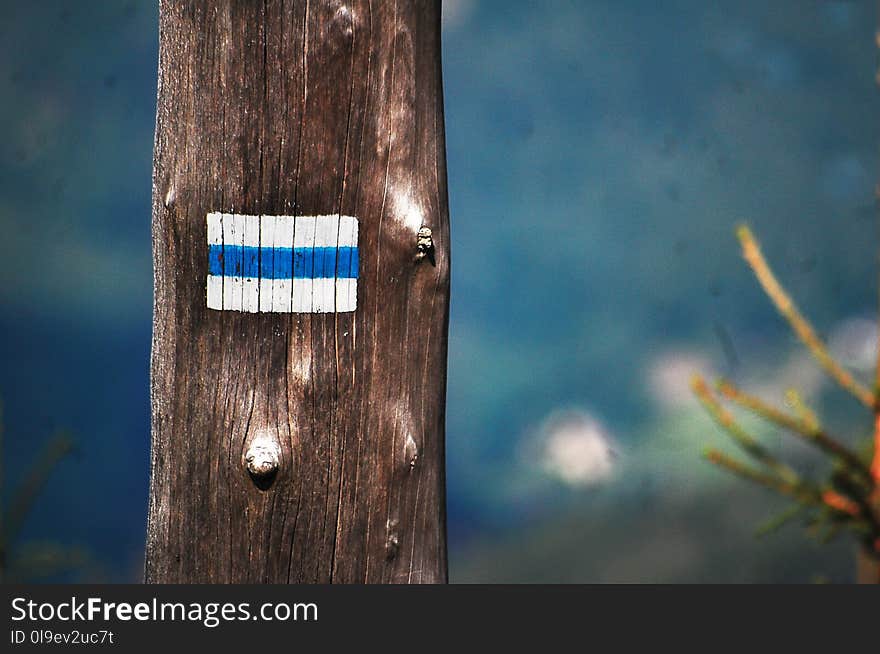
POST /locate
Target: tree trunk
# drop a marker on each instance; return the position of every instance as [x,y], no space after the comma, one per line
[300,441]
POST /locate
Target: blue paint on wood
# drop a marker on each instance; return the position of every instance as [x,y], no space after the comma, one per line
[232,260]
[344,261]
[267,263]
[318,263]
[329,269]
[283,263]
[283,260]
[215,259]
[251,265]
[303,263]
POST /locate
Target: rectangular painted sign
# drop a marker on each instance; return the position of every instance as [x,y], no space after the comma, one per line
[282,264]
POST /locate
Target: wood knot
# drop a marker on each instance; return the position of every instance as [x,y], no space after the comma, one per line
[392,543]
[425,244]
[263,458]
[410,452]
[346,19]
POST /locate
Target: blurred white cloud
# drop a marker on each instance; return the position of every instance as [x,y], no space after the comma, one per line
[669,377]
[576,448]
[799,371]
[853,342]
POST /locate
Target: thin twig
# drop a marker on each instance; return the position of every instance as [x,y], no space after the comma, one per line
[794,490]
[808,430]
[805,413]
[778,521]
[740,436]
[838,502]
[799,491]
[804,330]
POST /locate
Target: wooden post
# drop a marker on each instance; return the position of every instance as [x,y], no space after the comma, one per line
[300,441]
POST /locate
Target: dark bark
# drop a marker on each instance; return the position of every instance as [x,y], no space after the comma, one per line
[295,107]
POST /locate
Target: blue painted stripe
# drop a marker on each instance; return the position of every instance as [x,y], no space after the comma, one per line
[347,263]
[343,261]
[303,263]
[283,263]
[232,260]
[215,259]
[251,265]
[318,270]
[267,263]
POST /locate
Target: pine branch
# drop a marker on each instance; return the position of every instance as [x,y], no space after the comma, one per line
[809,431]
[851,499]
[838,502]
[777,522]
[797,491]
[802,328]
[740,436]
[804,412]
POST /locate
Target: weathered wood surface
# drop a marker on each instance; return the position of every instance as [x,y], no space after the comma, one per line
[305,107]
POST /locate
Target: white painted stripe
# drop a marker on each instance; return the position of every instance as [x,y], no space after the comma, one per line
[346,295]
[303,237]
[252,236]
[346,289]
[233,234]
[282,289]
[326,229]
[282,292]
[348,231]
[215,229]
[215,282]
[267,241]
[324,289]
[252,283]
[301,295]
[215,292]
[235,292]
[340,224]
[250,298]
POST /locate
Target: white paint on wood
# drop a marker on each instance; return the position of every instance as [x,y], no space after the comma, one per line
[324,288]
[250,298]
[326,231]
[282,289]
[346,295]
[215,282]
[251,236]
[303,237]
[323,295]
[311,282]
[348,231]
[346,288]
[267,244]
[233,235]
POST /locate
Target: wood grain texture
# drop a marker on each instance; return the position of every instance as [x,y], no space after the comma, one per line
[306,107]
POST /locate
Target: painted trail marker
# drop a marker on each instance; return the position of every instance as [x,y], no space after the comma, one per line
[282,264]
[299,447]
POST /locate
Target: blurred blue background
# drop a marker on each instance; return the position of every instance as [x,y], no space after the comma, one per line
[599,155]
